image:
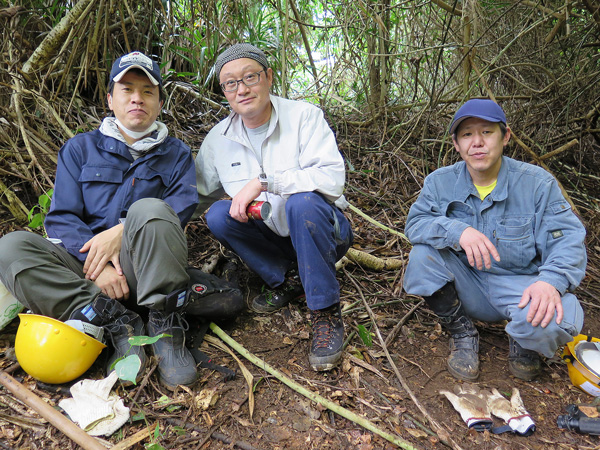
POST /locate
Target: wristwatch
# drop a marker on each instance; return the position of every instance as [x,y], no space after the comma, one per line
[264,182]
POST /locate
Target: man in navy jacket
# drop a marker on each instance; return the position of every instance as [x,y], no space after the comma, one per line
[123,194]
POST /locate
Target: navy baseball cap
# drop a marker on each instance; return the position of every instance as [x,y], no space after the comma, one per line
[481,108]
[136,60]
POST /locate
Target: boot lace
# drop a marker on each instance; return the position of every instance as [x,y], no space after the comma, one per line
[168,324]
[323,329]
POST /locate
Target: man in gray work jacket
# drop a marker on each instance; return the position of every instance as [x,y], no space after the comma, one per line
[494,239]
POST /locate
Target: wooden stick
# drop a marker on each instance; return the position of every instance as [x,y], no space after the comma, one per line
[346,413]
[390,337]
[137,437]
[567,146]
[354,209]
[50,414]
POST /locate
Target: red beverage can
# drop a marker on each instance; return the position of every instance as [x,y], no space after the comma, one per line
[259,210]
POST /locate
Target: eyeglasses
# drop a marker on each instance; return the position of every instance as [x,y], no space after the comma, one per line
[249,80]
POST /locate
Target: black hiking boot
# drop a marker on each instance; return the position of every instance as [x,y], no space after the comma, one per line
[176,365]
[272,300]
[328,338]
[120,323]
[463,362]
[523,363]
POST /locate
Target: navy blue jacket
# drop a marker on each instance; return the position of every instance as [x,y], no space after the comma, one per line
[97,180]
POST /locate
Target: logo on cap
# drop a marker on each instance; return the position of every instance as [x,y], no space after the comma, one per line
[136,58]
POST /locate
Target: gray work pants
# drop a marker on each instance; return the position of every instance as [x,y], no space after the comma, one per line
[491,297]
[49,281]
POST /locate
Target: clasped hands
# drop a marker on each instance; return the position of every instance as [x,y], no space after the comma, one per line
[102,249]
[543,298]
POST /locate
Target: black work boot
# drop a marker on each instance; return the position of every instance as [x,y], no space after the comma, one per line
[523,363]
[274,299]
[120,323]
[176,365]
[328,338]
[463,362]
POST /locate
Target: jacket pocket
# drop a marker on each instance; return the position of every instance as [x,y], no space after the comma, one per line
[100,174]
[515,242]
[99,187]
[148,182]
[460,211]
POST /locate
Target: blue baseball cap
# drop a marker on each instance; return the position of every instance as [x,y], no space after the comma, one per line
[481,108]
[136,60]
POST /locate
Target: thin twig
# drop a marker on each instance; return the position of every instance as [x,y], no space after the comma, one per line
[442,434]
[402,321]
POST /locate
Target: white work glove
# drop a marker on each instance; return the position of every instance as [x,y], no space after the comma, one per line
[513,412]
[472,405]
[94,409]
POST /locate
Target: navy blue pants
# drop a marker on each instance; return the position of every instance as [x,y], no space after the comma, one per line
[319,236]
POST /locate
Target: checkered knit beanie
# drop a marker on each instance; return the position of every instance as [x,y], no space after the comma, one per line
[238,51]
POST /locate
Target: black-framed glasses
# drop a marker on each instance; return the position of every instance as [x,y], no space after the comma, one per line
[249,80]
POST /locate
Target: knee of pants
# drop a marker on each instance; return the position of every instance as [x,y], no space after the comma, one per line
[147,209]
[9,245]
[425,272]
[14,241]
[217,216]
[422,255]
[12,245]
[304,204]
[547,340]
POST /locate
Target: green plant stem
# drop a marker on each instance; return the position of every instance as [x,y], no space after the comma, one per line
[375,222]
[365,423]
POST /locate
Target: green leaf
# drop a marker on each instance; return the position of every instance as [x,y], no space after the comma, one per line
[173,408]
[154,446]
[128,368]
[139,416]
[44,202]
[256,384]
[181,431]
[145,340]
[163,400]
[365,335]
[36,221]
[156,432]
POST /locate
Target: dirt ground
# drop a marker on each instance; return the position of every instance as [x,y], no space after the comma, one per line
[216,414]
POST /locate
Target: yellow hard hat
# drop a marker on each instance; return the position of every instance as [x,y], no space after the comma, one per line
[582,356]
[53,352]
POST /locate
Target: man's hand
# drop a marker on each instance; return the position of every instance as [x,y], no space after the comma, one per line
[112,283]
[240,202]
[544,299]
[103,248]
[478,248]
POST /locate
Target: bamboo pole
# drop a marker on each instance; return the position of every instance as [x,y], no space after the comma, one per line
[62,423]
[354,209]
[365,423]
